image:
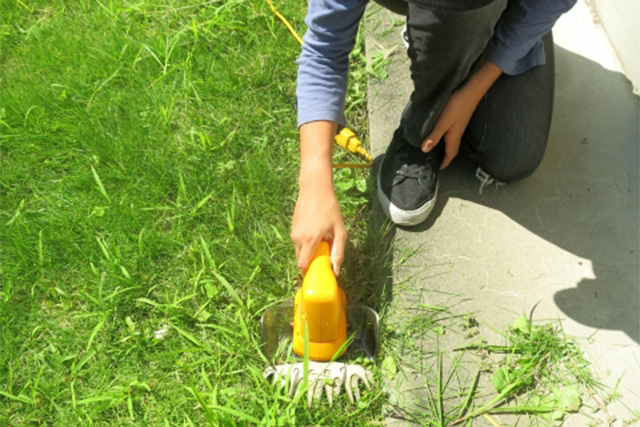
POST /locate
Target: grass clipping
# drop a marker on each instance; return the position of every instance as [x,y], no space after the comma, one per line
[542,373]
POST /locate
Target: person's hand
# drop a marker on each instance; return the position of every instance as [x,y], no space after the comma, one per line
[451,125]
[317,217]
[317,214]
[456,114]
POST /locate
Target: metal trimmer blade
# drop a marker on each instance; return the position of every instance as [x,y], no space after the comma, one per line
[277,346]
[328,377]
[276,331]
[364,322]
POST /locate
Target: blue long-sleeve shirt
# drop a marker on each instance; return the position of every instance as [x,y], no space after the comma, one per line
[331,31]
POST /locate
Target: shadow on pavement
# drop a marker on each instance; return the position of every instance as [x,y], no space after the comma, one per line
[584,196]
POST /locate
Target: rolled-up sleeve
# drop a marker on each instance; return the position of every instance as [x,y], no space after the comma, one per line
[517,43]
[323,65]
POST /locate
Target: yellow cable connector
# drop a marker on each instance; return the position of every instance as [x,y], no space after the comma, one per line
[349,141]
[346,138]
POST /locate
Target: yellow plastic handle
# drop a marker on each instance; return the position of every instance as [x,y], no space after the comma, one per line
[322,304]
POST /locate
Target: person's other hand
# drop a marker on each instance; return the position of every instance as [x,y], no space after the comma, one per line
[456,114]
[451,125]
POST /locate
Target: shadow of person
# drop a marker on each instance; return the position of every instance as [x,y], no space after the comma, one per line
[584,196]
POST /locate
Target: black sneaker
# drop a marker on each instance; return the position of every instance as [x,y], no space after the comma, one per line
[408,181]
[405,36]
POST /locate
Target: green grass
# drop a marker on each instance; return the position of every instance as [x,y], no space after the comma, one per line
[149,164]
[149,161]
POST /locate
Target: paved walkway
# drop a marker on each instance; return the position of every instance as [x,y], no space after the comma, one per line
[566,239]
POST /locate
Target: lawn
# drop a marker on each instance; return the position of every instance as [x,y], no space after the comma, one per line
[149,164]
[149,169]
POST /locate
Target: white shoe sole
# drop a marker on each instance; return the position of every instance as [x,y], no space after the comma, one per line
[402,217]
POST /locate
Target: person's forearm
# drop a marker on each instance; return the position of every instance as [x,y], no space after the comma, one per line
[317,216]
[316,145]
[480,82]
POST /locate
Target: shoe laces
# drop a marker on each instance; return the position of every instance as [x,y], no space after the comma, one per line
[410,171]
[486,179]
[414,170]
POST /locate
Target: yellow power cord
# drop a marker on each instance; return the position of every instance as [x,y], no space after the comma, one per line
[345,138]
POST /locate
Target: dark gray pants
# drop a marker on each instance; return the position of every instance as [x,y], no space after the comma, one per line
[508,132]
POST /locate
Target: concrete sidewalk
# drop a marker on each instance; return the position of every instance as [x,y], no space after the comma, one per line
[566,239]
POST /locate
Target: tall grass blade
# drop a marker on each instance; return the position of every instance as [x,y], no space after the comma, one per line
[207,253]
[469,397]
[182,188]
[151,303]
[243,416]
[104,249]
[440,391]
[95,331]
[187,335]
[73,394]
[231,212]
[207,411]
[19,398]
[229,288]
[76,368]
[344,345]
[202,202]
[101,86]
[40,250]
[95,399]
[98,181]
[305,380]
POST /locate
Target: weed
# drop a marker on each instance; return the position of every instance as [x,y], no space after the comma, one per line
[539,372]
